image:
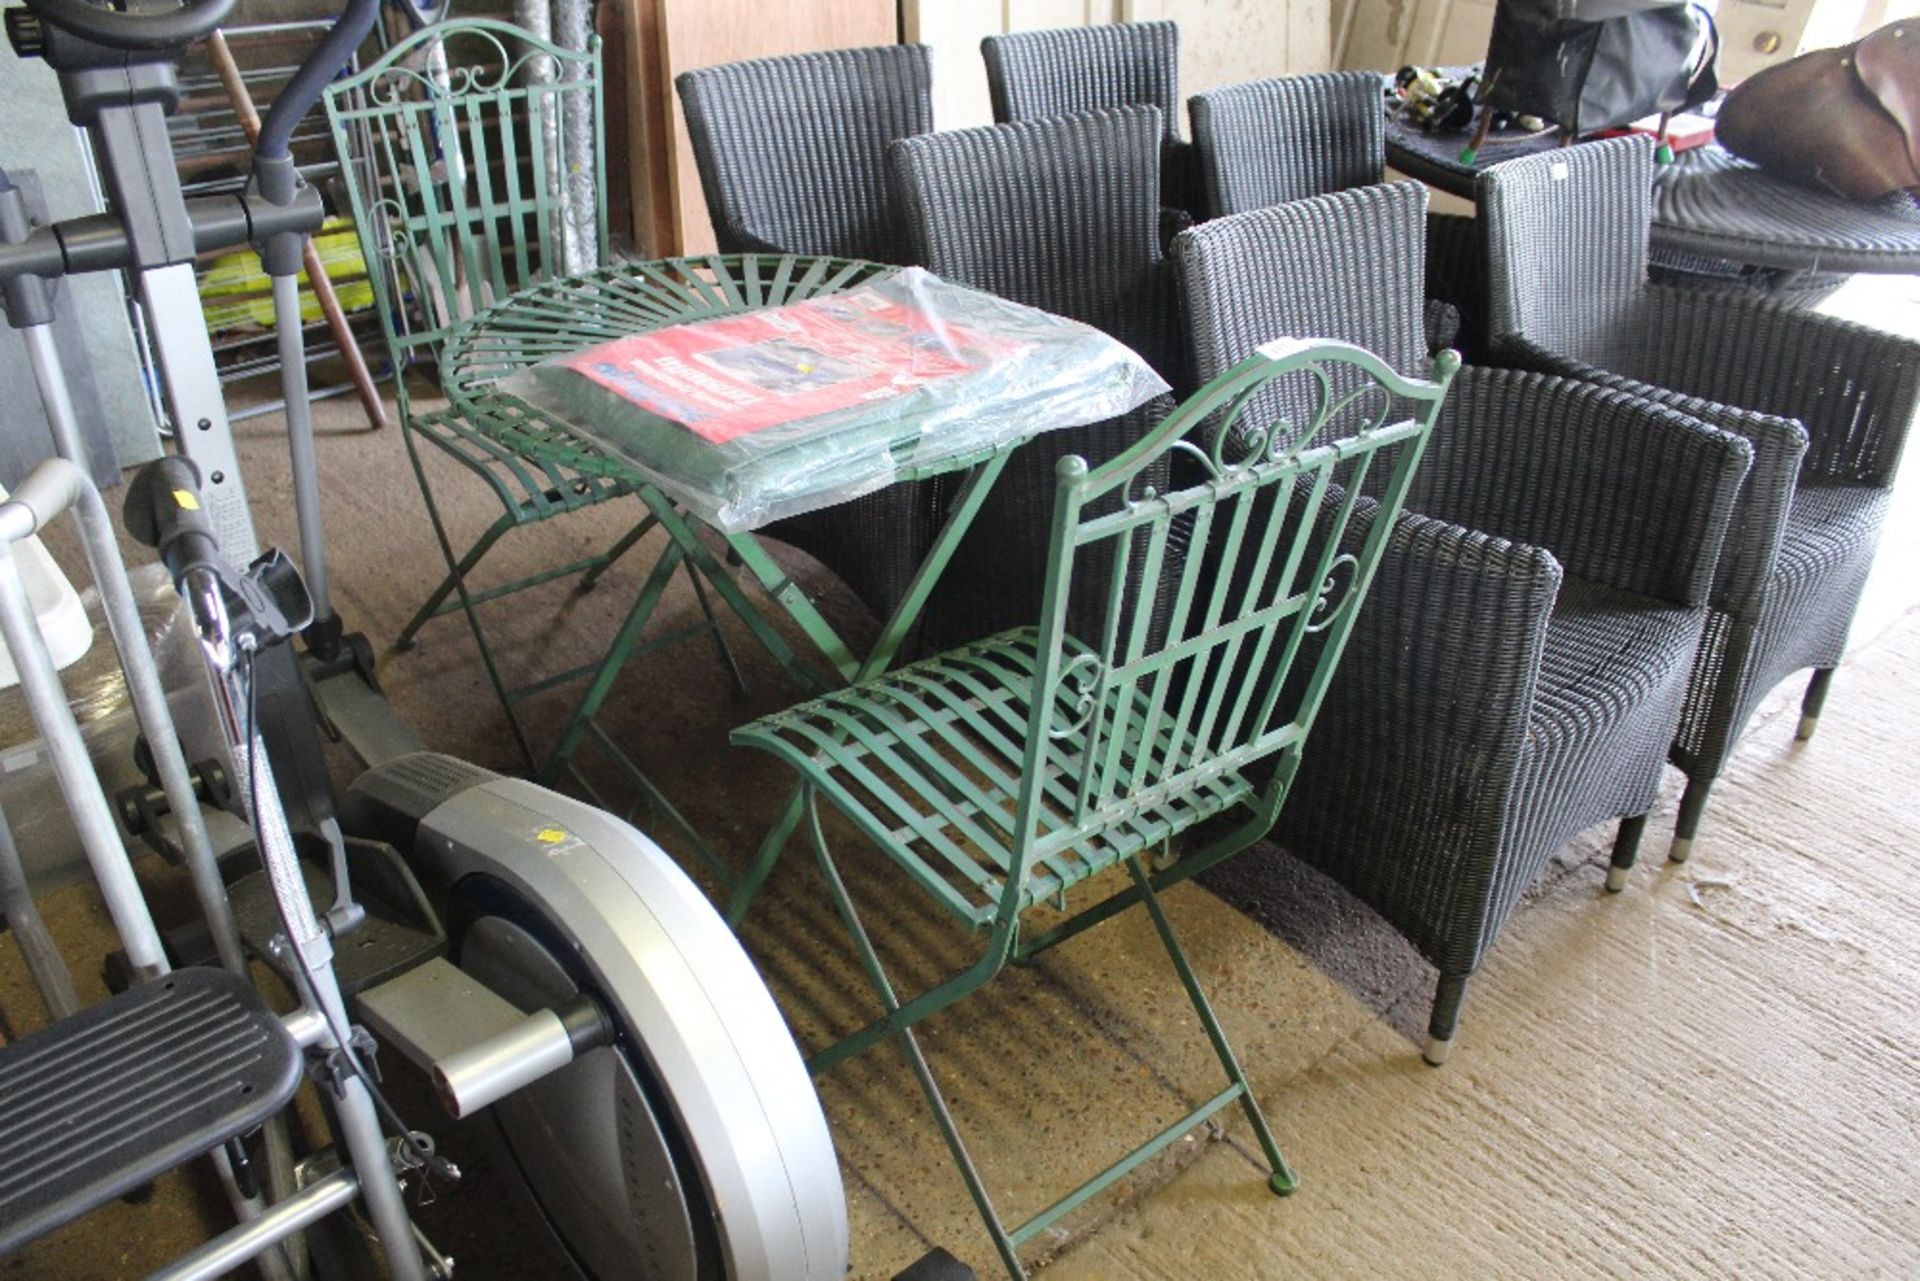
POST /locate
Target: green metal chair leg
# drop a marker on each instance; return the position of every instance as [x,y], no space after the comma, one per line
[1284,1181]
[909,1046]
[466,604]
[719,637]
[616,658]
[615,552]
[749,886]
[430,609]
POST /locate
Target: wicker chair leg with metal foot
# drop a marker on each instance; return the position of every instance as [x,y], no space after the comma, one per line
[1444,1021]
[1810,706]
[1626,847]
[1693,803]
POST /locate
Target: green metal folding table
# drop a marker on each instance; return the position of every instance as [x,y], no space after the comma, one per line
[568,314]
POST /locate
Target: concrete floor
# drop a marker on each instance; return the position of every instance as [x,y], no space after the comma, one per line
[1711,1074]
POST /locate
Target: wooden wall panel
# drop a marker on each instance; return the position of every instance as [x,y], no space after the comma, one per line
[953,29]
[703,33]
[650,135]
[1223,42]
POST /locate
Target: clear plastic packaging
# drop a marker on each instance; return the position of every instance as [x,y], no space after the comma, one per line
[750,418]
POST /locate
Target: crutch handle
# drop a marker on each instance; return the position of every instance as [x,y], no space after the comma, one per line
[163,511]
[48,490]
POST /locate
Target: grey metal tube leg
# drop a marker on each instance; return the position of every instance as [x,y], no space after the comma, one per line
[1445,1018]
[1693,803]
[44,962]
[1811,705]
[1626,847]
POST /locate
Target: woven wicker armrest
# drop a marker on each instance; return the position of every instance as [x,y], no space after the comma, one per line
[1624,492]
[1855,389]
[1760,515]
[1445,656]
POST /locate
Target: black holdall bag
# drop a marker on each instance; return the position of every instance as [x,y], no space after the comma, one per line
[1598,64]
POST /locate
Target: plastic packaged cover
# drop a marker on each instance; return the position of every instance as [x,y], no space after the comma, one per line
[750,418]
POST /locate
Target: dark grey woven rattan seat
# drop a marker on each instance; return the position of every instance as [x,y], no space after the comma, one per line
[1033,75]
[792,159]
[1267,142]
[1826,404]
[1060,214]
[1526,647]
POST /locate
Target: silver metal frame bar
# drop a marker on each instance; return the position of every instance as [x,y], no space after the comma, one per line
[73,767]
[359,1121]
[258,1235]
[144,686]
[306,467]
[177,328]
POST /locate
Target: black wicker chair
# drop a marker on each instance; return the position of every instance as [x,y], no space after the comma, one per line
[1270,141]
[1032,75]
[1266,142]
[1826,404]
[1060,214]
[792,151]
[792,159]
[1520,666]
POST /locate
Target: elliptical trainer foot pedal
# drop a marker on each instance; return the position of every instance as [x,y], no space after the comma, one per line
[103,1101]
[937,1265]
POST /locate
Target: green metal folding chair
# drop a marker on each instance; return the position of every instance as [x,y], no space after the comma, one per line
[459,148]
[1148,700]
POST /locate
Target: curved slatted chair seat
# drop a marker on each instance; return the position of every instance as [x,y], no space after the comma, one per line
[536,488]
[927,761]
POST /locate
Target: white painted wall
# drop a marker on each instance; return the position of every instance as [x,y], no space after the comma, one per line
[1221,41]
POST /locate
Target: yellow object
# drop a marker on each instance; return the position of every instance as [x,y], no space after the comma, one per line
[187,499]
[235,291]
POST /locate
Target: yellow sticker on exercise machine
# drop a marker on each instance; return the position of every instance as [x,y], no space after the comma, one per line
[550,836]
[188,500]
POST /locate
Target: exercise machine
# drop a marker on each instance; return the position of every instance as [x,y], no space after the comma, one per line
[545,964]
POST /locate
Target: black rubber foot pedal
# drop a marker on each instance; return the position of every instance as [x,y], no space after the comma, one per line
[937,1265]
[100,1103]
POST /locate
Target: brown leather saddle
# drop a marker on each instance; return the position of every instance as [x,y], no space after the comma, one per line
[1846,119]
